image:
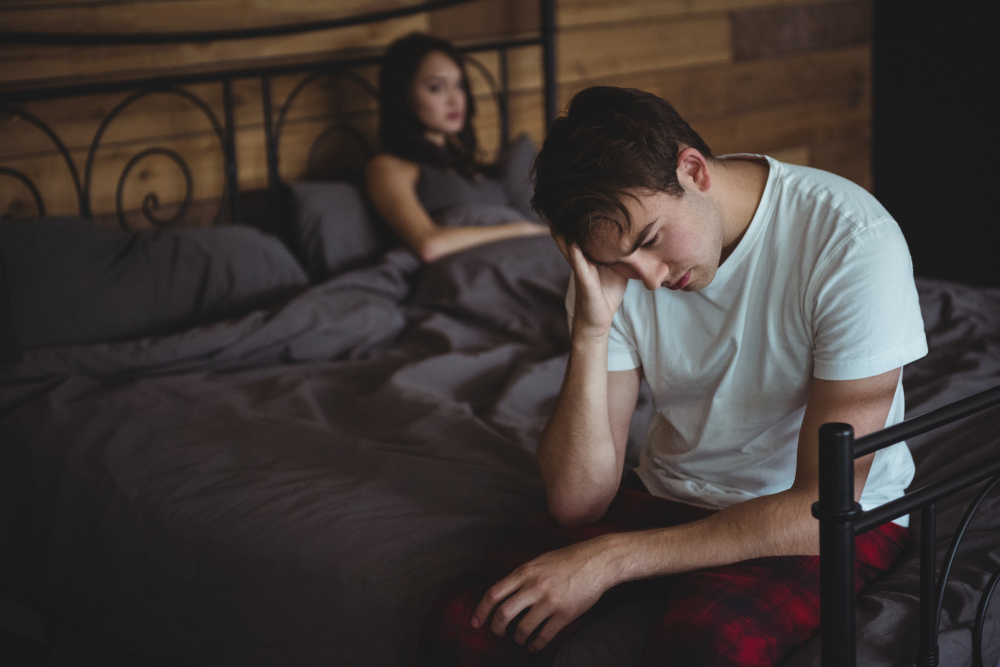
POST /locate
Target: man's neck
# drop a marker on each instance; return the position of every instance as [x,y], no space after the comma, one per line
[739,186]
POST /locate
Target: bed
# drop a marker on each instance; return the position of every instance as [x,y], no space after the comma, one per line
[281,451]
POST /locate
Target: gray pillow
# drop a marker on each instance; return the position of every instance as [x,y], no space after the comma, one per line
[515,174]
[64,281]
[333,229]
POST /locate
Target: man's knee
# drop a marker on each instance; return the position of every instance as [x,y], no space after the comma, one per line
[448,636]
[750,613]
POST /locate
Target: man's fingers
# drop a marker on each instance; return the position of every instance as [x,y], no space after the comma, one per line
[509,610]
[496,594]
[536,616]
[572,253]
[551,628]
[563,248]
[581,267]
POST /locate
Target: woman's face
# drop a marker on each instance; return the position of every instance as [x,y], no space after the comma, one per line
[438,96]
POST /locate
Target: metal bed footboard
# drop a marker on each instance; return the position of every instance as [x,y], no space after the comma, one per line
[841,520]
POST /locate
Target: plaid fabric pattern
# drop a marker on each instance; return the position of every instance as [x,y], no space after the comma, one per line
[757,611]
[748,613]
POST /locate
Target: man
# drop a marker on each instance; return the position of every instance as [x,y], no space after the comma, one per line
[759,300]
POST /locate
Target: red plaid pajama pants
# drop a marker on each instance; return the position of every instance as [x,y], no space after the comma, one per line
[750,613]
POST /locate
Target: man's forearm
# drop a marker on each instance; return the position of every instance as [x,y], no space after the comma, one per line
[776,525]
[579,462]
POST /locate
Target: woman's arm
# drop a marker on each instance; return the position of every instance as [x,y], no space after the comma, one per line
[392,188]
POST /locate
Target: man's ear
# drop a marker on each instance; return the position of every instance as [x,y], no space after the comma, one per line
[692,168]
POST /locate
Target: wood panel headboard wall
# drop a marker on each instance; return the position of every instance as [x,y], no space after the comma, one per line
[787,77]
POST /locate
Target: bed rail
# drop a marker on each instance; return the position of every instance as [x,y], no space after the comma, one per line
[274,114]
[841,520]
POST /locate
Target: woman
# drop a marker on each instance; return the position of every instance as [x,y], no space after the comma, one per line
[430,159]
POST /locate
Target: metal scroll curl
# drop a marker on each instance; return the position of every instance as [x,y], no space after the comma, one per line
[27,182]
[977,630]
[60,148]
[151,201]
[949,560]
[318,169]
[312,164]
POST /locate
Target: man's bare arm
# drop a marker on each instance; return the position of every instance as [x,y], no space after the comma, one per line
[780,524]
[582,449]
[560,585]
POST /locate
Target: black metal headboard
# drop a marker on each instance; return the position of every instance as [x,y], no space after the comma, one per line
[274,117]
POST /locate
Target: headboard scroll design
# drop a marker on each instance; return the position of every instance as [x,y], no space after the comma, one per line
[150,201]
[36,196]
[275,115]
[313,166]
[13,113]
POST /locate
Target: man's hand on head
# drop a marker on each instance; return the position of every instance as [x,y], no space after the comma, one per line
[553,589]
[599,291]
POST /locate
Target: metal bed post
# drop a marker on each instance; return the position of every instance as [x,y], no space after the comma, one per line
[977,630]
[837,512]
[232,181]
[549,60]
[503,99]
[841,519]
[273,194]
[928,655]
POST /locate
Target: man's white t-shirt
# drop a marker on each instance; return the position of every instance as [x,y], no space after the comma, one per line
[821,285]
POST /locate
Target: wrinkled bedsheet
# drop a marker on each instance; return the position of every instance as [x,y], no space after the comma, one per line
[296,486]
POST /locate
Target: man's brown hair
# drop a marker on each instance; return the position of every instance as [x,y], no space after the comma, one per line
[612,143]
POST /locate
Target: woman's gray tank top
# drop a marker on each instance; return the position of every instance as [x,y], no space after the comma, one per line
[439,189]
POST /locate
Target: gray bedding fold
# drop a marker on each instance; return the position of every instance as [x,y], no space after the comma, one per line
[297,485]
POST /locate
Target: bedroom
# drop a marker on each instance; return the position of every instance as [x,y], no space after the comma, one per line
[789,79]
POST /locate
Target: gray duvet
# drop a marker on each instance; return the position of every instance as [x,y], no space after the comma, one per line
[296,486]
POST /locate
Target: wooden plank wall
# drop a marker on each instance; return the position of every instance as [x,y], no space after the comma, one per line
[791,78]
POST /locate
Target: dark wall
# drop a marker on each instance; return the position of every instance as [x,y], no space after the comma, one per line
[934,135]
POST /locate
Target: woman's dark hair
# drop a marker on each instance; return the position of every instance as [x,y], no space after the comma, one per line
[611,144]
[400,130]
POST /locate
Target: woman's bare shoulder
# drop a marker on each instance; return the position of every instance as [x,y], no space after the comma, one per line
[389,167]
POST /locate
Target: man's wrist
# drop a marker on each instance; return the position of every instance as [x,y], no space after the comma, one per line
[614,558]
[589,337]
[629,556]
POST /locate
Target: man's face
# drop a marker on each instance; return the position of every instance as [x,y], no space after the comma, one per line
[675,242]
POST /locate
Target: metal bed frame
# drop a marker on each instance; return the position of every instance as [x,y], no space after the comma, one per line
[841,518]
[274,117]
